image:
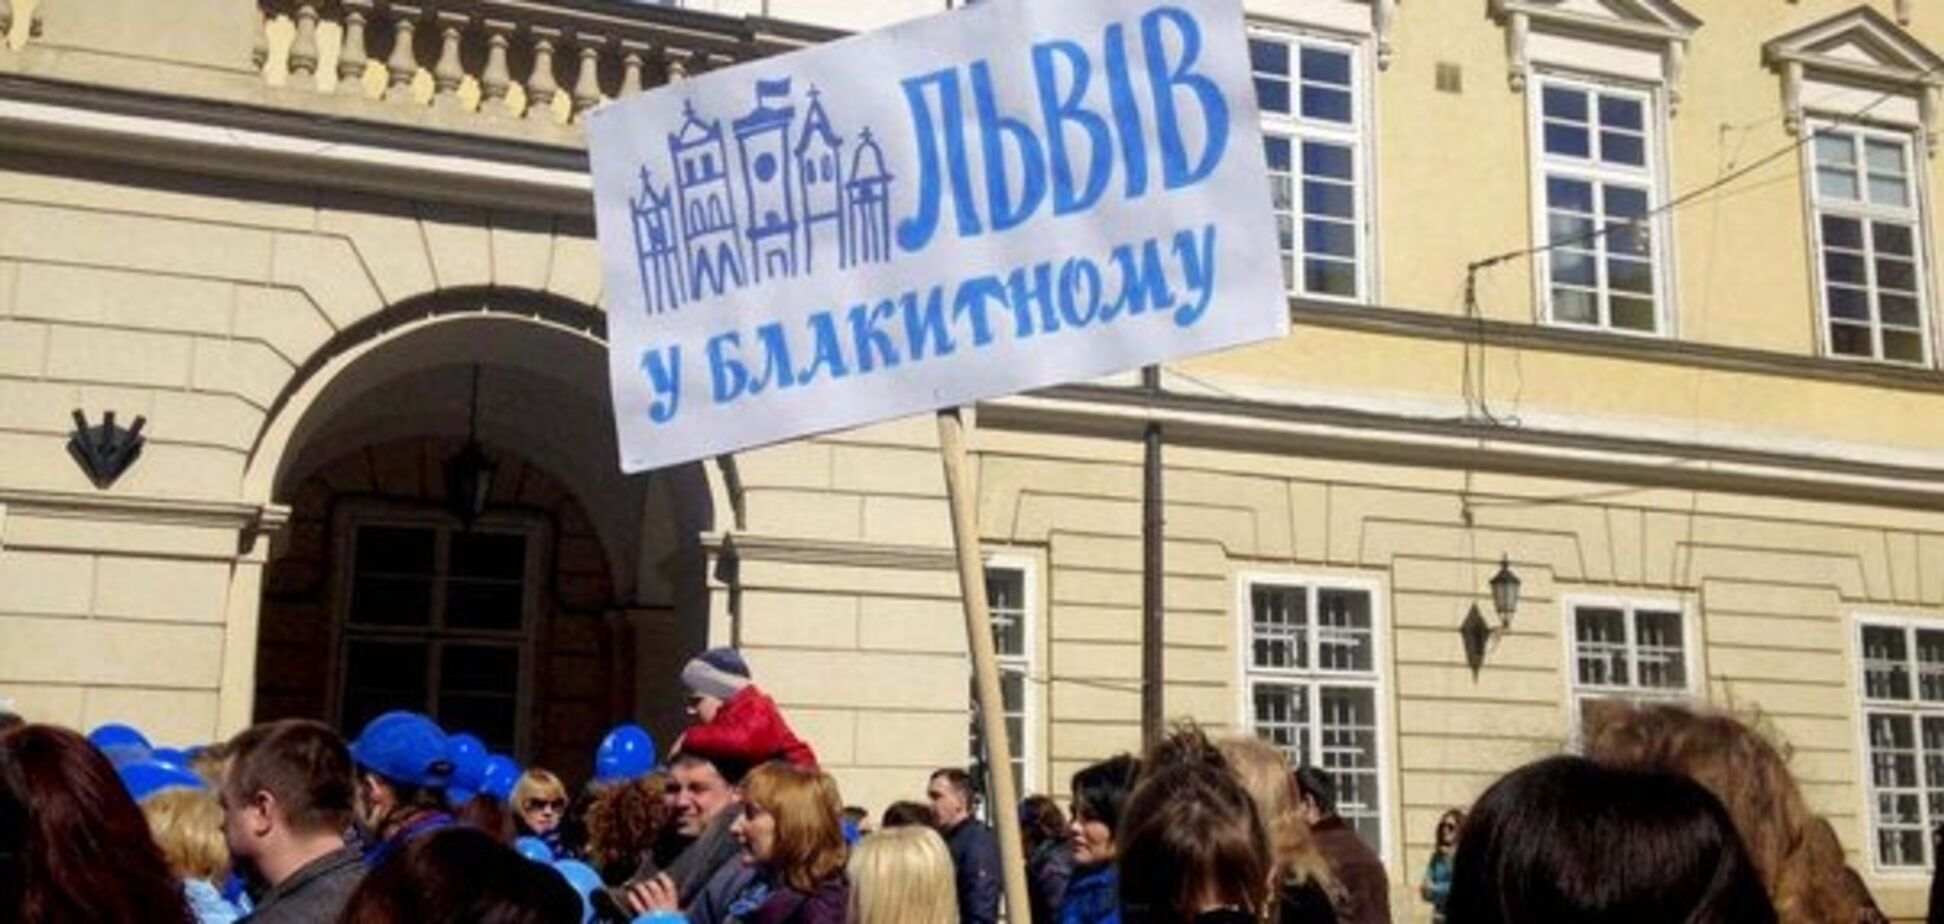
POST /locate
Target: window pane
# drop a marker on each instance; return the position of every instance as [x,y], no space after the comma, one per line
[1272,95]
[1899,275]
[1575,306]
[1621,112]
[1838,183]
[1325,103]
[1885,157]
[1279,627]
[1327,160]
[1330,277]
[391,582]
[1569,195]
[1623,148]
[1630,275]
[1631,313]
[1567,140]
[1343,631]
[1835,148]
[1844,267]
[1625,201]
[1348,753]
[479,691]
[1889,237]
[486,587]
[1336,200]
[1850,340]
[1563,103]
[1335,238]
[1280,717]
[1006,598]
[1903,346]
[1661,653]
[1600,637]
[1277,150]
[380,676]
[1889,190]
[1575,267]
[1893,751]
[1847,302]
[1846,233]
[1324,66]
[1267,56]
[1886,663]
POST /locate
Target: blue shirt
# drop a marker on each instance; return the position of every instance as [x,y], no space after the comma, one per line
[1092,896]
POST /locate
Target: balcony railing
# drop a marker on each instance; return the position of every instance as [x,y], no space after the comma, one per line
[546,60]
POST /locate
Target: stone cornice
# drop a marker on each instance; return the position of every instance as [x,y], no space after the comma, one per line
[121,508]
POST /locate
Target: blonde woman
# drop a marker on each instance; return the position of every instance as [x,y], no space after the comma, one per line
[1306,892]
[902,876]
[188,825]
[539,806]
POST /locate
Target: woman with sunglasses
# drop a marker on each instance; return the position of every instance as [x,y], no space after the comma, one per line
[791,837]
[1437,875]
[539,805]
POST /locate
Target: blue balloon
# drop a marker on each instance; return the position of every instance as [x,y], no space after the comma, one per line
[534,849]
[146,778]
[584,880]
[468,757]
[499,778]
[626,753]
[171,757]
[121,743]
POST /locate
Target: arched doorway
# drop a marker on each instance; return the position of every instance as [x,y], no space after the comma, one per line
[537,624]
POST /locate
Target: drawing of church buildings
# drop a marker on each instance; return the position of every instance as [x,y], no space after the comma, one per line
[789,200]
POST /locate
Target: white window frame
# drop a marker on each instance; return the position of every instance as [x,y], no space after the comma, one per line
[1915,708]
[360,513]
[1359,135]
[1656,175]
[1378,680]
[1028,750]
[1910,137]
[1577,694]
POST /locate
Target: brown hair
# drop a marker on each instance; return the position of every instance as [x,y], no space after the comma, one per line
[1191,836]
[1264,771]
[1041,820]
[809,841]
[188,826]
[1751,778]
[86,854]
[624,822]
[457,876]
[304,764]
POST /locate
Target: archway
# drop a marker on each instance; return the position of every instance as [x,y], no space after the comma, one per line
[552,616]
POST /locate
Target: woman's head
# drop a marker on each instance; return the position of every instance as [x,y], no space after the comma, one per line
[902,876]
[1750,777]
[1041,821]
[1445,837]
[1264,771]
[625,820]
[540,801]
[1568,841]
[87,854]
[1190,839]
[789,823]
[458,875]
[1099,798]
[188,825]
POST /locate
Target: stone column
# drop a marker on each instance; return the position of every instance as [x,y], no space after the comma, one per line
[236,695]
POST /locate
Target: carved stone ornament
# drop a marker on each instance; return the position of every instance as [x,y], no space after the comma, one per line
[1660,24]
[1857,47]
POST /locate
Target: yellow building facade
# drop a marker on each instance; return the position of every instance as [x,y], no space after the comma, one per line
[1636,297]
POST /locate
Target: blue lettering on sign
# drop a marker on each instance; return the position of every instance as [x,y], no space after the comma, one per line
[1173,276]
[1020,154]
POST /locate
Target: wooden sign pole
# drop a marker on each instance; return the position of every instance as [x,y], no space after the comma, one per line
[985,663]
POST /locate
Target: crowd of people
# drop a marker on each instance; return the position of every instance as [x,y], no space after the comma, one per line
[1668,814]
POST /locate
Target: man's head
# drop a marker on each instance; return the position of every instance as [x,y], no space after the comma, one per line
[712,677]
[1315,794]
[951,795]
[699,792]
[288,782]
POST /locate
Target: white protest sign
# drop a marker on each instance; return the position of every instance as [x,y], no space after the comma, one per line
[1008,196]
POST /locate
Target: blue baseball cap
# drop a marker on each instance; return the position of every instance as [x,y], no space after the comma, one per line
[404,747]
[146,778]
[468,756]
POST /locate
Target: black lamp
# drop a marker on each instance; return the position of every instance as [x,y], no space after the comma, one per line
[1505,592]
[469,473]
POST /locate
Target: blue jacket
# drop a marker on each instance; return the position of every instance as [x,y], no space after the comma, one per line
[1092,896]
[975,859]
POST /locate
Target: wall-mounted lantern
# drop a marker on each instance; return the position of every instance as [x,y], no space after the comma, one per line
[105,451]
[1505,592]
[469,473]
[1478,632]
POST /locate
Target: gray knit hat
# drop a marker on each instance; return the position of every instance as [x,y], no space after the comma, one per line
[718,672]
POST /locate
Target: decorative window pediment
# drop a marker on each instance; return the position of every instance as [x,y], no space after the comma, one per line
[1859,50]
[1545,31]
[1358,18]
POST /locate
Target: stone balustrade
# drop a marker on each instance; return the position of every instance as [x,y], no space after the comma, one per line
[549,60]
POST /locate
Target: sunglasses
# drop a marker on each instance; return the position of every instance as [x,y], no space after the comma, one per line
[535,805]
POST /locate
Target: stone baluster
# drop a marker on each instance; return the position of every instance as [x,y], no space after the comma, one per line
[587,83]
[352,58]
[541,86]
[449,73]
[403,63]
[303,49]
[496,78]
[6,21]
[259,46]
[633,58]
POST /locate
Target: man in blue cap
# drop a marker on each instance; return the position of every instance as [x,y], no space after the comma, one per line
[403,769]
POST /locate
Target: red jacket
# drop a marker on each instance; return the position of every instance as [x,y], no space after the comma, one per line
[749,730]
